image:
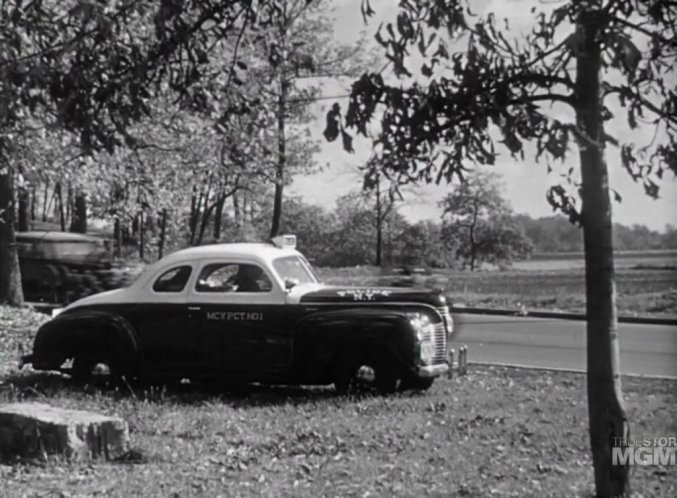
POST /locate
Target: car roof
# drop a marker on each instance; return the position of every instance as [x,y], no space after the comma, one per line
[263,253]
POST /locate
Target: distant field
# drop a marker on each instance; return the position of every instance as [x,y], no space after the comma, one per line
[645,285]
[659,253]
[562,261]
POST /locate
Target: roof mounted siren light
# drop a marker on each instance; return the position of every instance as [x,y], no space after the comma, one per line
[284,241]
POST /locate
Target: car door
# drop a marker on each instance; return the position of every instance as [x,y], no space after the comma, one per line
[167,332]
[241,315]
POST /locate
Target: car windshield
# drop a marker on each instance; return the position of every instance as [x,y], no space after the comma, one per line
[295,269]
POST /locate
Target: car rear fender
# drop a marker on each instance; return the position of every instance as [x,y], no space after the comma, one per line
[85,330]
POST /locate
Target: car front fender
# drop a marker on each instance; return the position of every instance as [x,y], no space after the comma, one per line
[355,332]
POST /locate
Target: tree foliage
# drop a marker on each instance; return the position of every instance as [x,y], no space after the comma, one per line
[479,224]
[553,234]
[92,69]
[162,106]
[482,77]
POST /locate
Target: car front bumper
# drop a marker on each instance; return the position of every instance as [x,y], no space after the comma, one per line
[432,370]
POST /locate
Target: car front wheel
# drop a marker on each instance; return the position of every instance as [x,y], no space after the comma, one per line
[416,383]
[386,378]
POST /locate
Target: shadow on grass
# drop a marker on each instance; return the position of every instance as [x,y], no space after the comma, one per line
[47,386]
[33,386]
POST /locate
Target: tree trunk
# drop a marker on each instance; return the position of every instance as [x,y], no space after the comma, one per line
[44,202]
[117,238]
[142,235]
[10,274]
[282,157]
[69,205]
[127,234]
[34,192]
[254,209]
[236,211]
[163,233]
[79,213]
[607,418]
[206,215]
[379,225]
[58,191]
[389,252]
[195,207]
[206,211]
[192,216]
[37,430]
[218,216]
[473,247]
[24,209]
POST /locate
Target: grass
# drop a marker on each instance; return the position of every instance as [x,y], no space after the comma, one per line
[640,291]
[17,327]
[495,432]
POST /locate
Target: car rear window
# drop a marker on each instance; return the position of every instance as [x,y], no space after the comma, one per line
[173,280]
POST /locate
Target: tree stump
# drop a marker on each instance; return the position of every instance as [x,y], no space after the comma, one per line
[36,430]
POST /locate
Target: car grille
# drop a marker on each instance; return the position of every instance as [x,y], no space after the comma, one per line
[443,332]
[448,321]
[440,343]
[439,337]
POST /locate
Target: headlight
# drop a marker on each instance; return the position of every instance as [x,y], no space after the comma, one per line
[425,332]
[422,325]
[427,351]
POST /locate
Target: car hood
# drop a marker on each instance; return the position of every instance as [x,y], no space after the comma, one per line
[342,294]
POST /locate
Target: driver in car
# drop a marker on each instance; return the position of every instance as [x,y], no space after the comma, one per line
[250,279]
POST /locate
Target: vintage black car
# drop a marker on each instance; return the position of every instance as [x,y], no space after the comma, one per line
[250,313]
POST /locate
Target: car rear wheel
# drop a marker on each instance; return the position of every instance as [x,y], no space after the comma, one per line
[94,368]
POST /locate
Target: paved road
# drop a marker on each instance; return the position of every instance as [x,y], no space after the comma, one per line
[549,342]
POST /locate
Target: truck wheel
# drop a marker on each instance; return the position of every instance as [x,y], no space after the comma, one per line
[91,284]
[77,286]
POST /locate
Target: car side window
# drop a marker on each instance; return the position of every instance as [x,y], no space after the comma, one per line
[232,277]
[173,280]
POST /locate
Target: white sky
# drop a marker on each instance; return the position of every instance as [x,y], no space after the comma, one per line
[525,182]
